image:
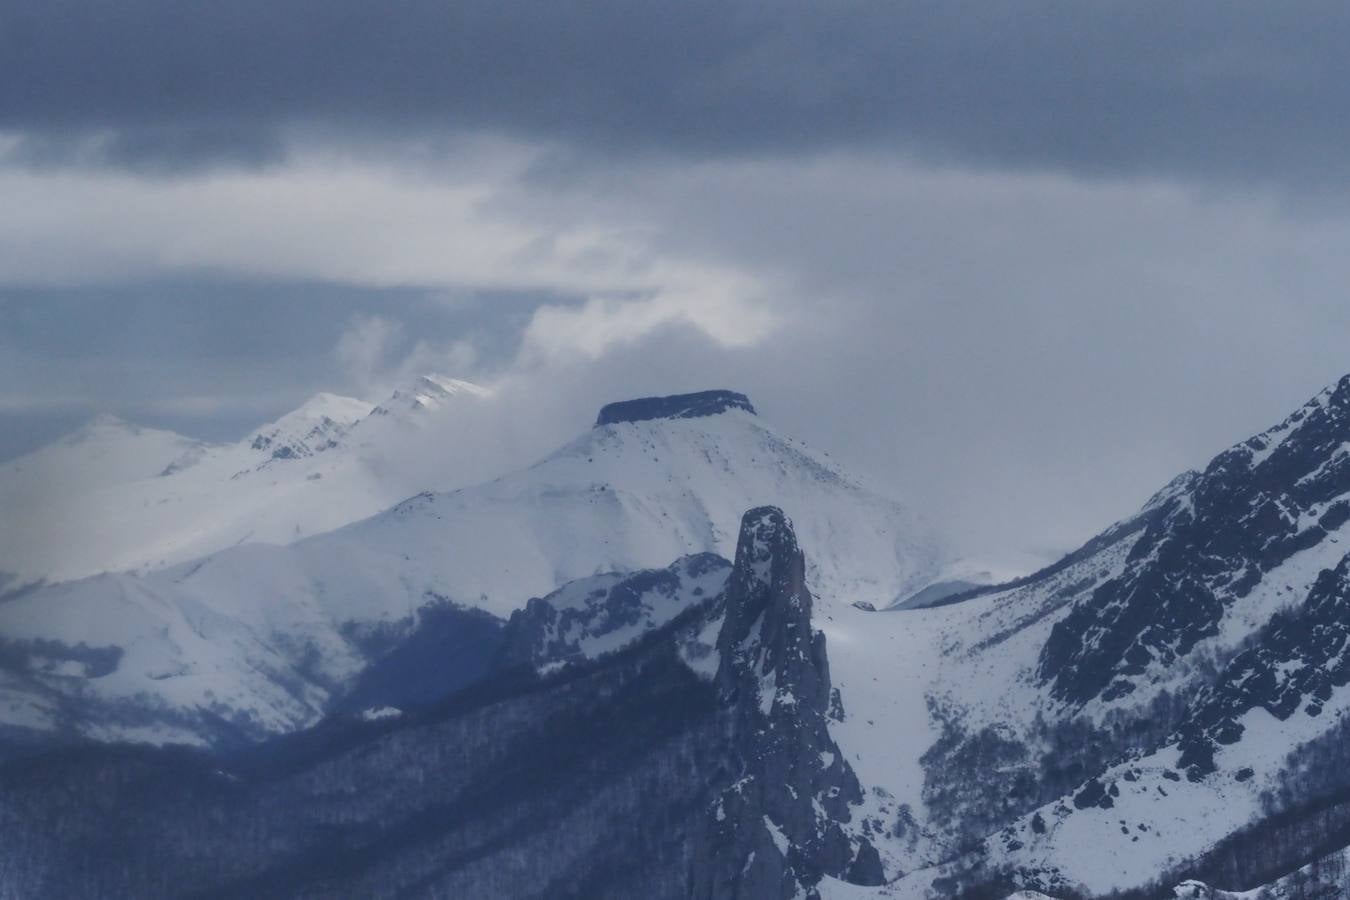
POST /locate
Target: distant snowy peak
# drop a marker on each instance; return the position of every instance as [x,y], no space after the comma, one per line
[106,427]
[118,497]
[676,406]
[317,425]
[107,450]
[429,392]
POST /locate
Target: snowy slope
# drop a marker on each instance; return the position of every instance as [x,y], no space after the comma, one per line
[106,451]
[116,498]
[639,494]
[319,424]
[585,619]
[1186,661]
[1326,877]
[237,631]
[40,491]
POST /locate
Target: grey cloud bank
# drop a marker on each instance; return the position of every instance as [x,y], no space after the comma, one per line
[1212,91]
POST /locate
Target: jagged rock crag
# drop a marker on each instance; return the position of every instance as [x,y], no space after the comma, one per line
[781,825]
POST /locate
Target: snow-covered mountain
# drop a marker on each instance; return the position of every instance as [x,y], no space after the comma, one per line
[1167,706]
[1177,685]
[638,491]
[114,497]
[265,637]
[319,424]
[106,451]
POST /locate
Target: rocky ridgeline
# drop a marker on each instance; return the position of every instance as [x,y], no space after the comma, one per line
[1253,507]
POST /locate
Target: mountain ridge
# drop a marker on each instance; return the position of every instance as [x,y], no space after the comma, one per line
[290,627]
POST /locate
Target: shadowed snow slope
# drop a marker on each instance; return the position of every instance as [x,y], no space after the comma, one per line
[1178,686]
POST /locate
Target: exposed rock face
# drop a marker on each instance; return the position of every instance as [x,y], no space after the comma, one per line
[323,436]
[676,406]
[782,824]
[320,424]
[1254,506]
[602,614]
[1295,661]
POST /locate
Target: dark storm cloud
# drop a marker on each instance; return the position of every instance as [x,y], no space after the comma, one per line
[1228,90]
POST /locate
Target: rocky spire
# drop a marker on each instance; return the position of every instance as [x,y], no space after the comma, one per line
[784,822]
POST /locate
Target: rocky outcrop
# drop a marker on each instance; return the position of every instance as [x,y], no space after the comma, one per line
[1253,507]
[784,822]
[605,613]
[1293,663]
[676,406]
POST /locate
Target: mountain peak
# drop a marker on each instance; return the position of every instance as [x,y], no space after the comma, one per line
[430,391]
[443,384]
[676,406]
[337,407]
[782,823]
[1342,387]
[768,581]
[314,426]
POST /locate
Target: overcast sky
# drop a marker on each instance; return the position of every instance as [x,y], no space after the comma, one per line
[1019,262]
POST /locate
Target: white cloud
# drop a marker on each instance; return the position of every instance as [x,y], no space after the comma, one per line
[364,348]
[716,307]
[376,357]
[1025,356]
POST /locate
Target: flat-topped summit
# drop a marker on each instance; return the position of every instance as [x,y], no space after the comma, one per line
[676,406]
